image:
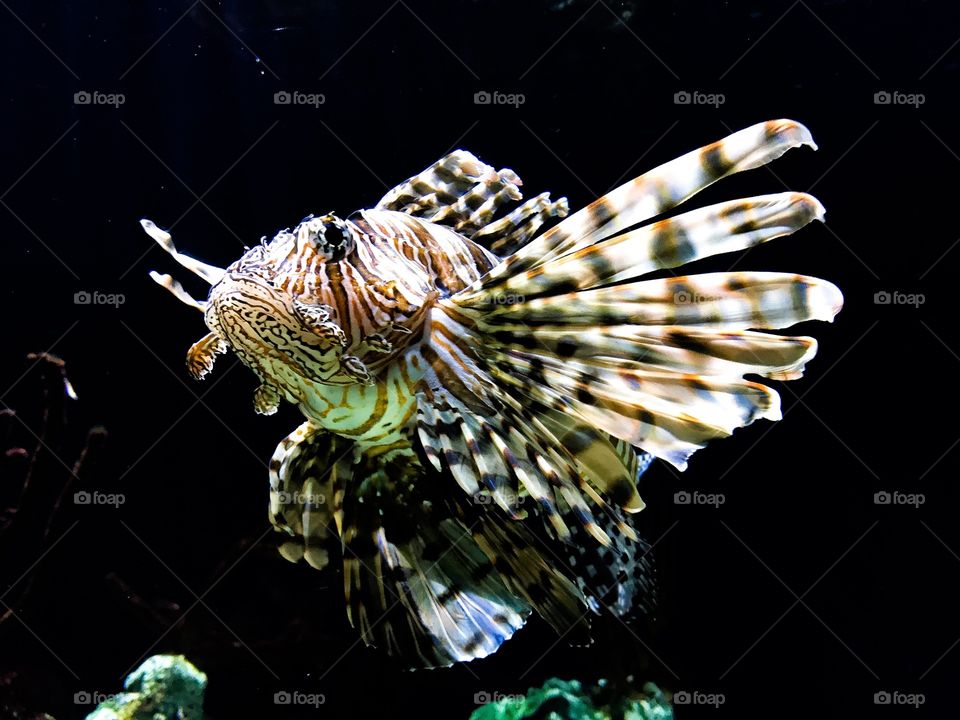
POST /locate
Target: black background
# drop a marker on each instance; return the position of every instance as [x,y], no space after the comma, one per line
[876,411]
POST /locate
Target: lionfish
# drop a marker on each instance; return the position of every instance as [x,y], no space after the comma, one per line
[481,399]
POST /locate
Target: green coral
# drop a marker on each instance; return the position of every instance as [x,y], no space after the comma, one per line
[165,687]
[567,700]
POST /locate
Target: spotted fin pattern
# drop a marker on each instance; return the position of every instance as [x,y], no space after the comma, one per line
[417,584]
[567,322]
[712,230]
[655,192]
[464,193]
[547,582]
[303,499]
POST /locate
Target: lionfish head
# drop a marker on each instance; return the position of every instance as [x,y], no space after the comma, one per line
[266,307]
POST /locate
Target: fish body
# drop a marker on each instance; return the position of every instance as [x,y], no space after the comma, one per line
[480,398]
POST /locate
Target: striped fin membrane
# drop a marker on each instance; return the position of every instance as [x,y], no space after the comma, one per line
[657,363]
[466,194]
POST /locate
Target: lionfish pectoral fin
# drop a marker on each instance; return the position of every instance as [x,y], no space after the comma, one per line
[535,575]
[547,396]
[507,454]
[651,194]
[417,583]
[495,443]
[203,353]
[657,363]
[611,470]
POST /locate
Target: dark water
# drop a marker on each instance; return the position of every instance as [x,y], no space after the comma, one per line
[799,597]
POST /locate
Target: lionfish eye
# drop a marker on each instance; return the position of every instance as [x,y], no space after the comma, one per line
[333,240]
